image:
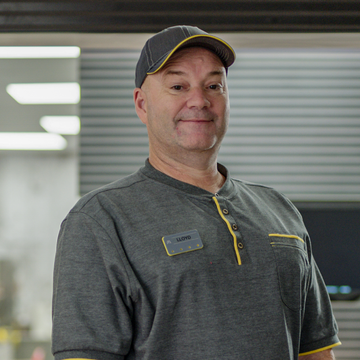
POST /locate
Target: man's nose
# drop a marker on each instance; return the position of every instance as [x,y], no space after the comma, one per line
[197,97]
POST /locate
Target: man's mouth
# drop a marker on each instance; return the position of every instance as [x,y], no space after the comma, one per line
[196,120]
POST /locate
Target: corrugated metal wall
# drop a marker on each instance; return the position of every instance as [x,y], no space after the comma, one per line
[295,121]
[113,140]
[348,318]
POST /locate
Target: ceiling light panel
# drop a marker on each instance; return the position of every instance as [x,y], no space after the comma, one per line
[39,52]
[45,93]
[67,125]
[31,141]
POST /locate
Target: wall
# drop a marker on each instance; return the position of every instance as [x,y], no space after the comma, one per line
[36,191]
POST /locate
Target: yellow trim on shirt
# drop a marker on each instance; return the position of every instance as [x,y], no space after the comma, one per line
[230,229]
[321,349]
[288,236]
[302,354]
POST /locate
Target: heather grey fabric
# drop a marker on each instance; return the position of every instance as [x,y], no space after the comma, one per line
[119,295]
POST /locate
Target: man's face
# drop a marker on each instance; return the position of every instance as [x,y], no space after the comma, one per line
[185,105]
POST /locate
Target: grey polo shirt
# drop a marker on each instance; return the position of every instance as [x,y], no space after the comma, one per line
[153,268]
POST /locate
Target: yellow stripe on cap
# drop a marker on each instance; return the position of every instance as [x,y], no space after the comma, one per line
[186,40]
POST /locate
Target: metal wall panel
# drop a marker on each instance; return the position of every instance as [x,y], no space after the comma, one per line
[348,317]
[113,141]
[295,121]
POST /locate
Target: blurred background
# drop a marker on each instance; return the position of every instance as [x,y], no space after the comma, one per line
[68,126]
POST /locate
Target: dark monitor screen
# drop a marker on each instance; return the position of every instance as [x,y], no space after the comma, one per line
[335,236]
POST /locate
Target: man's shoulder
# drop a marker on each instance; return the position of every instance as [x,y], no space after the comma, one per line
[254,186]
[116,189]
[262,194]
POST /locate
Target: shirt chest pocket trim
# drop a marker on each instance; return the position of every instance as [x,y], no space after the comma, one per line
[288,236]
[293,268]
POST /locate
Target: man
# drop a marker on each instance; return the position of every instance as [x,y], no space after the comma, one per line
[179,260]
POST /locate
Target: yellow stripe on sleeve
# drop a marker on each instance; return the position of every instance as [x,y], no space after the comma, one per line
[321,349]
[78,359]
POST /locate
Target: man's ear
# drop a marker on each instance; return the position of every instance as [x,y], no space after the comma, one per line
[140,104]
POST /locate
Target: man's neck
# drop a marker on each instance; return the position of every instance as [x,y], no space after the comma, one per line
[196,172]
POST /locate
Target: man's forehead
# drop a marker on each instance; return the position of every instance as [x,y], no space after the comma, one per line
[176,65]
[189,55]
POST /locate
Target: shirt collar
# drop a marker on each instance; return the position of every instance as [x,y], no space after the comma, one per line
[149,171]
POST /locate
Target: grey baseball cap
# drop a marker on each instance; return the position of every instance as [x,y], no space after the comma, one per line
[159,48]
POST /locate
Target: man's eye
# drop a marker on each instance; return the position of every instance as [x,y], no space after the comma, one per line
[215,87]
[177,87]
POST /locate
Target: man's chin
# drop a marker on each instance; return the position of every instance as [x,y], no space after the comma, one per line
[199,146]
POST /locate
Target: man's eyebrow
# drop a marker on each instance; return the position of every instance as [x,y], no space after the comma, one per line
[178,72]
[174,72]
[216,72]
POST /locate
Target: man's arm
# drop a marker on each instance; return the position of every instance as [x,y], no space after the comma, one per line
[321,355]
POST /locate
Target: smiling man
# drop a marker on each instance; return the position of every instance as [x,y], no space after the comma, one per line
[179,260]
[185,107]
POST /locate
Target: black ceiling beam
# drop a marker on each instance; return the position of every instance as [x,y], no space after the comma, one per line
[104,16]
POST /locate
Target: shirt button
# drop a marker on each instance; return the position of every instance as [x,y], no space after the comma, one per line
[225,211]
[234,226]
[240,245]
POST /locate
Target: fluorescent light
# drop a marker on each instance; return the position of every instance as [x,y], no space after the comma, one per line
[345,289]
[31,141]
[45,93]
[332,289]
[39,52]
[68,125]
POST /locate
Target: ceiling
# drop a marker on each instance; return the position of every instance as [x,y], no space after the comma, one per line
[114,16]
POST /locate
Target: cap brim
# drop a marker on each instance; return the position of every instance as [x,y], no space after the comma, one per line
[221,48]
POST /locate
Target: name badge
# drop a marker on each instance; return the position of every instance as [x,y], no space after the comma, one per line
[182,242]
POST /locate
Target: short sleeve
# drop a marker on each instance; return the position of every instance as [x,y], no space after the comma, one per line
[91,300]
[319,328]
